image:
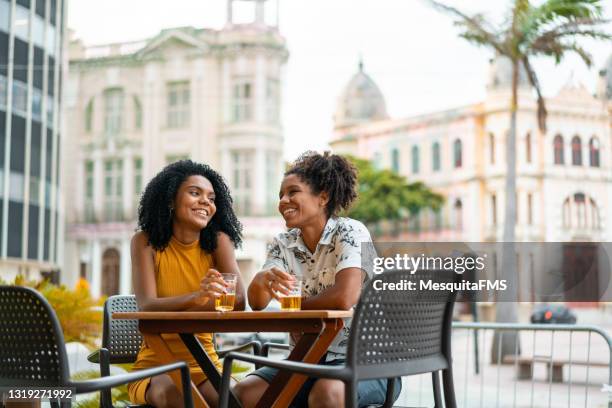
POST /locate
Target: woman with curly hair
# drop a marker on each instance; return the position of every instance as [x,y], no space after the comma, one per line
[325,250]
[186,239]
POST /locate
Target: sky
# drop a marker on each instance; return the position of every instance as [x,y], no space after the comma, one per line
[411,51]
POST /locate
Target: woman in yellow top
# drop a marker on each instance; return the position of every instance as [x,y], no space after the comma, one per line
[187,234]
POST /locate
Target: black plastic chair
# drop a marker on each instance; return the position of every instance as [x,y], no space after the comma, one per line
[394,333]
[33,353]
[121,341]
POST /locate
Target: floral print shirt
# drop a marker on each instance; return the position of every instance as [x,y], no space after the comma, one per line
[340,247]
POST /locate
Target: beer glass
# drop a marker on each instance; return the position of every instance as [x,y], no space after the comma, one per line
[293,300]
[225,302]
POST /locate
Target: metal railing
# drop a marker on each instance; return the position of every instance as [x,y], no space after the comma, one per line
[534,375]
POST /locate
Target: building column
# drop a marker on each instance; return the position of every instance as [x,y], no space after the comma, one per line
[259,179]
[96,268]
[125,270]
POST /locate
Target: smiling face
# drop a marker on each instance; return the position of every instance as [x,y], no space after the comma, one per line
[194,205]
[298,205]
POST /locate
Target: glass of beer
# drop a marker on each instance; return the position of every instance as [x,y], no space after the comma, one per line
[225,302]
[292,301]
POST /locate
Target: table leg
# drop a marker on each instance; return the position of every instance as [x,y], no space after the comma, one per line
[310,349]
[206,364]
[157,343]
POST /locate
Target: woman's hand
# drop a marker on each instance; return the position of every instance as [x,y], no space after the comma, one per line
[276,281]
[211,286]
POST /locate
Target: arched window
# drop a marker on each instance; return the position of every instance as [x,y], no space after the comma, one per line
[528,147]
[457,153]
[492,148]
[558,148]
[458,209]
[137,113]
[594,152]
[435,156]
[395,160]
[415,159]
[89,116]
[567,214]
[110,272]
[595,222]
[580,204]
[113,111]
[576,151]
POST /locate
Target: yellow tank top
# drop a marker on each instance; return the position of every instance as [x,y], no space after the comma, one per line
[178,270]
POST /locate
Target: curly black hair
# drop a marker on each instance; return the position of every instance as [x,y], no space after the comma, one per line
[155,216]
[331,173]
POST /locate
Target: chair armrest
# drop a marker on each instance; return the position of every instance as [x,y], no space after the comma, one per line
[256,345]
[312,370]
[115,380]
[94,357]
[267,346]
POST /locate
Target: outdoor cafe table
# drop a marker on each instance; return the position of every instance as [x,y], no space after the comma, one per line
[318,328]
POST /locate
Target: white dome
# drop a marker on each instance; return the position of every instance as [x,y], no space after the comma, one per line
[500,74]
[361,101]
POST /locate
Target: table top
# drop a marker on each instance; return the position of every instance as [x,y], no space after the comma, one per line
[252,315]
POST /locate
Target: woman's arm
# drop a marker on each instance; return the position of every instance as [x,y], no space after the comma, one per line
[343,295]
[145,286]
[225,262]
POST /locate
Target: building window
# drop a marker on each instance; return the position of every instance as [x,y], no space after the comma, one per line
[435,156]
[567,214]
[271,182]
[493,209]
[5,15]
[113,176]
[528,147]
[457,154]
[113,110]
[492,148]
[20,98]
[3,89]
[558,149]
[172,158]
[415,160]
[242,101]
[178,104]
[242,172]
[137,181]
[36,104]
[580,204]
[395,160]
[89,112]
[595,221]
[51,40]
[137,114]
[272,100]
[576,151]
[530,209]
[594,152]
[89,191]
[458,209]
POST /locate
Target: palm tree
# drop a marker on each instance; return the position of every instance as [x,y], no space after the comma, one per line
[551,29]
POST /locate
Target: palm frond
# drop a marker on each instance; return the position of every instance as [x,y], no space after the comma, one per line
[475,28]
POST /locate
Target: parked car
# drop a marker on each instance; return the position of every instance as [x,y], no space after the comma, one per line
[546,313]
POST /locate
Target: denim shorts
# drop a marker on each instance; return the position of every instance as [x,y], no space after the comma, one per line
[369,392]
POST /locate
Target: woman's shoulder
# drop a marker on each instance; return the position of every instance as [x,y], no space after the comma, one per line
[140,240]
[287,237]
[349,228]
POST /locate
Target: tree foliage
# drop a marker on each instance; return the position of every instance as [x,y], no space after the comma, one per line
[385,195]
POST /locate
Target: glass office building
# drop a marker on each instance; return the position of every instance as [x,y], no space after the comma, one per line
[31,37]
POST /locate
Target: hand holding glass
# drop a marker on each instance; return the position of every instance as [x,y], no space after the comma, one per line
[225,301]
[292,300]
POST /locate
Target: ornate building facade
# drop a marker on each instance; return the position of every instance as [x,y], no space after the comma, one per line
[210,95]
[564,176]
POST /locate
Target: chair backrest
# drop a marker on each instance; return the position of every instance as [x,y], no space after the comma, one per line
[399,331]
[32,350]
[121,336]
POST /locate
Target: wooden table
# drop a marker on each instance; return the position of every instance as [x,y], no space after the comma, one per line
[318,328]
